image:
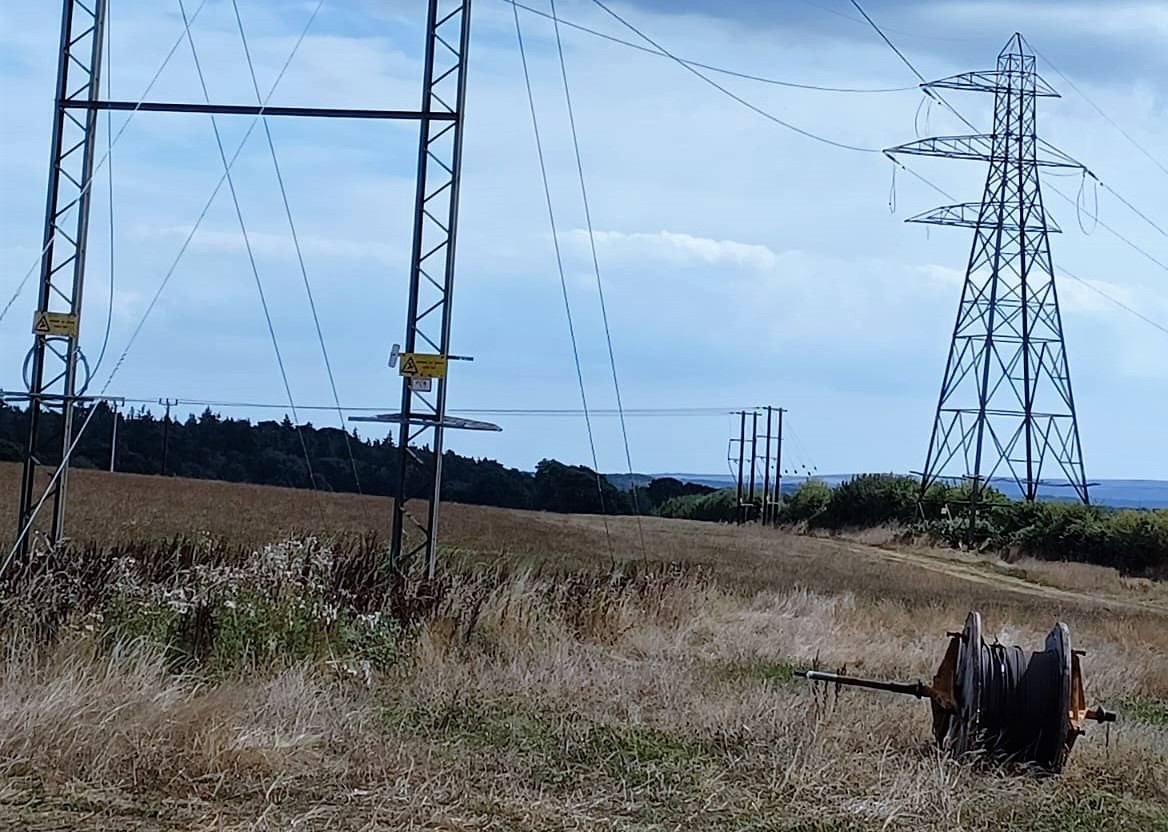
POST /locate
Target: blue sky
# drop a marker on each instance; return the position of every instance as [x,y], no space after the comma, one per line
[743,264]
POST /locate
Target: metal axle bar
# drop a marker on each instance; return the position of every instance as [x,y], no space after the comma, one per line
[256,110]
[918,689]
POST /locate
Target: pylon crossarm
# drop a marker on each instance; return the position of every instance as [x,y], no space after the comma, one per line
[979,147]
[989,80]
[975,146]
[967,215]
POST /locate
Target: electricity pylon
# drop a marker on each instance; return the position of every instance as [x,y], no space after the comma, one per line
[1006,407]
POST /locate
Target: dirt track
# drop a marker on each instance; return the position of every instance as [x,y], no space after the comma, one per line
[983,573]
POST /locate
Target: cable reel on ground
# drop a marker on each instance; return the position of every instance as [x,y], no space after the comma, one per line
[1000,701]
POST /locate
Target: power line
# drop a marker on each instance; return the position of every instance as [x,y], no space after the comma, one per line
[560,266]
[904,32]
[247,245]
[596,270]
[892,46]
[641,412]
[1115,300]
[1099,109]
[109,132]
[735,96]
[720,70]
[296,244]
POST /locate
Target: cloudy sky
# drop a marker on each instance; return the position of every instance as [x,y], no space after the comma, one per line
[743,263]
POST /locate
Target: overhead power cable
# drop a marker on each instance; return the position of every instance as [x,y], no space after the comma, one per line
[899,54]
[296,243]
[109,152]
[599,283]
[1127,307]
[563,279]
[770,116]
[496,411]
[250,252]
[1099,109]
[904,32]
[85,187]
[720,70]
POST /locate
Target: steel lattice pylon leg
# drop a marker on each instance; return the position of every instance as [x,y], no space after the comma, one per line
[53,362]
[1006,408]
[432,275]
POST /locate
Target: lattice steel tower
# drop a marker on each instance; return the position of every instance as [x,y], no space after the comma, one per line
[1006,407]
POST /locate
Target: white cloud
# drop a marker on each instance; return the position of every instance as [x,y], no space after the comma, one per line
[678,248]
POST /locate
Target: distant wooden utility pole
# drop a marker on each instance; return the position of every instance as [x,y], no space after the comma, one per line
[114,405]
[166,430]
[740,514]
[772,499]
[778,471]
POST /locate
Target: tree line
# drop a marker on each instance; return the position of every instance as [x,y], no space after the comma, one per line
[209,446]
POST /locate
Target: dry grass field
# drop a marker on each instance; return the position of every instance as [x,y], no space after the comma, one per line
[567,679]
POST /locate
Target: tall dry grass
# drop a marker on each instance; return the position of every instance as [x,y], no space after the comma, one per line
[648,697]
[198,678]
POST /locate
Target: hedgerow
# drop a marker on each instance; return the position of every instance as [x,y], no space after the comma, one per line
[1135,542]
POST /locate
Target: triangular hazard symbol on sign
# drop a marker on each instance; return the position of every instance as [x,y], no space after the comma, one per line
[409,368]
[41,325]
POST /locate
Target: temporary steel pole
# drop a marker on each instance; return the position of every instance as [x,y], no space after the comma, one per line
[56,322]
[432,271]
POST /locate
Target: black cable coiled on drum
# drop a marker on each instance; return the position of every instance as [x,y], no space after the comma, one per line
[1019,701]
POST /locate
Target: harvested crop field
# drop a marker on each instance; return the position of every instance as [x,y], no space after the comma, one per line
[561,678]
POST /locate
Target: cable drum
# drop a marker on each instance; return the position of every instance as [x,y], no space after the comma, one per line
[1001,702]
[1019,717]
[1008,702]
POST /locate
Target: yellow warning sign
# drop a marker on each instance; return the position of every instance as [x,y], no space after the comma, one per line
[54,323]
[423,365]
